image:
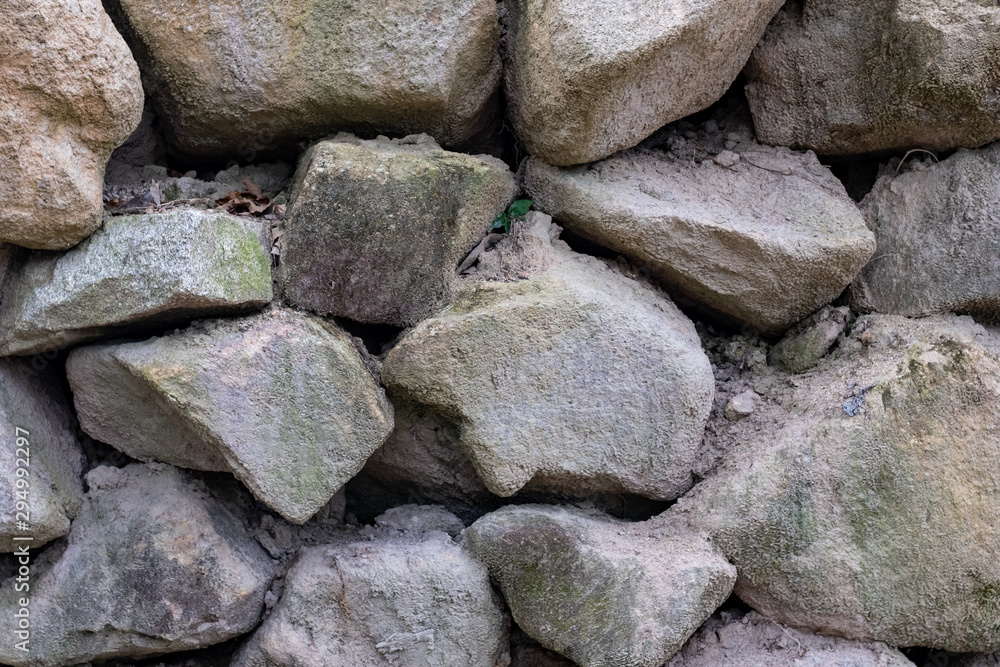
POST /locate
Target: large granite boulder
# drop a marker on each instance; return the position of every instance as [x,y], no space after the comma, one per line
[71,94]
[377,228]
[573,378]
[586,78]
[763,236]
[244,76]
[601,592]
[39,435]
[864,500]
[382,597]
[156,562]
[138,272]
[938,234]
[281,400]
[845,77]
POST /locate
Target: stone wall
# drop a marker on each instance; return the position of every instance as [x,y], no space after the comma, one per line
[531,333]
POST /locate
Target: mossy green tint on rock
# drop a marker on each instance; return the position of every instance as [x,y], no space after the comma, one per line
[281,400]
[377,228]
[883,525]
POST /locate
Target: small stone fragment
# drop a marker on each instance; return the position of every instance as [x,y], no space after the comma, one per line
[808,342]
[726,159]
[741,406]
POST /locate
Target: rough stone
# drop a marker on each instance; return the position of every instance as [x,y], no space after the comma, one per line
[764,242]
[845,78]
[245,76]
[730,640]
[378,228]
[33,407]
[154,563]
[281,400]
[863,501]
[71,94]
[421,462]
[741,405]
[808,342]
[573,378]
[938,234]
[585,79]
[597,590]
[380,597]
[138,272]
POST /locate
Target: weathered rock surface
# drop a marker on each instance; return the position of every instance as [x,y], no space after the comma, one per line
[154,564]
[573,378]
[845,78]
[281,400]
[597,590]
[586,79]
[809,341]
[881,526]
[245,76]
[383,597]
[33,407]
[138,272]
[938,234]
[421,462]
[765,240]
[71,94]
[377,228]
[755,641]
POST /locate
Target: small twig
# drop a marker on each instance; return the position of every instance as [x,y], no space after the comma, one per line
[487,241]
[787,172]
[915,150]
[802,651]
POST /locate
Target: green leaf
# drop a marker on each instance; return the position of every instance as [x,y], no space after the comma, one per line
[519,208]
[502,221]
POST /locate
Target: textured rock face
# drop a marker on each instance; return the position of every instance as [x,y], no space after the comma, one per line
[153,564]
[281,400]
[877,526]
[755,641]
[938,233]
[382,598]
[377,228]
[248,75]
[585,79]
[33,407]
[71,95]
[139,271]
[576,379]
[597,590]
[764,241]
[845,77]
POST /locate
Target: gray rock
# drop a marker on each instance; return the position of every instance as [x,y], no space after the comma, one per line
[138,272]
[938,233]
[377,228]
[573,378]
[154,564]
[845,78]
[585,79]
[875,518]
[380,598]
[764,242]
[601,591]
[421,462]
[280,399]
[71,94]
[756,641]
[245,76]
[33,407]
[809,341]
[741,405]
[421,518]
